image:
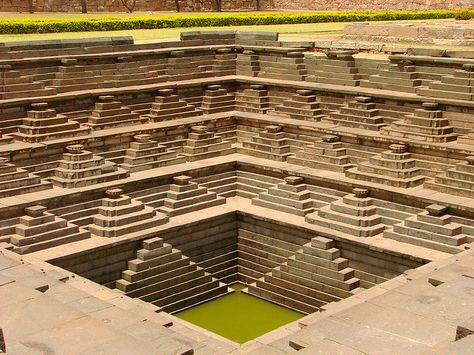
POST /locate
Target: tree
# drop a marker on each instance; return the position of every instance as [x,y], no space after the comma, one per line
[178,8]
[31,8]
[84,6]
[219,5]
[129,4]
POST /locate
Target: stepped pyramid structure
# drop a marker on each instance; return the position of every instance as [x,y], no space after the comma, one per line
[456,181]
[5,139]
[44,124]
[254,99]
[168,106]
[217,99]
[144,154]
[80,167]
[313,277]
[202,144]
[16,181]
[288,67]
[120,215]
[400,76]
[271,143]
[13,85]
[394,167]
[291,196]
[39,229]
[459,86]
[247,63]
[326,153]
[74,77]
[353,214]
[185,196]
[338,68]
[164,277]
[108,113]
[359,113]
[185,66]
[224,63]
[300,106]
[432,229]
[426,124]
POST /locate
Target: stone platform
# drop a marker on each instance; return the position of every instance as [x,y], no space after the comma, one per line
[139,180]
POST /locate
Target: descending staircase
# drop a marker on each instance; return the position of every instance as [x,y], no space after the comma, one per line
[39,229]
[314,276]
[164,277]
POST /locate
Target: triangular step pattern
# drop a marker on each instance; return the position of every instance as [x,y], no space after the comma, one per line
[394,167]
[164,277]
[144,154]
[247,63]
[14,86]
[426,125]
[253,99]
[44,124]
[109,113]
[338,68]
[459,86]
[217,99]
[456,181]
[169,106]
[203,144]
[432,229]
[79,168]
[354,214]
[291,196]
[360,113]
[400,76]
[289,66]
[16,181]
[39,229]
[185,196]
[121,215]
[313,277]
[300,106]
[326,153]
[271,143]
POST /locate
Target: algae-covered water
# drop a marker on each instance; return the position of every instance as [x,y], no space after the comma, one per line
[239,317]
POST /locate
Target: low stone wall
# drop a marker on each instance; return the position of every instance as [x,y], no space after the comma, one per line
[117,6]
[232,5]
[372,5]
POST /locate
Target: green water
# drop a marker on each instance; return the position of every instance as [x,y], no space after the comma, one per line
[239,317]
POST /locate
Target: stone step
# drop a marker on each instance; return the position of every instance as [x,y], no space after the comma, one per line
[282,207]
[341,275]
[407,229]
[170,264]
[168,290]
[353,173]
[51,243]
[264,245]
[285,246]
[143,226]
[320,298]
[272,284]
[422,242]
[207,296]
[137,265]
[310,271]
[281,300]
[191,208]
[304,278]
[264,257]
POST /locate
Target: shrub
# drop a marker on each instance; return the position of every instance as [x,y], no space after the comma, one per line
[116,24]
[465,15]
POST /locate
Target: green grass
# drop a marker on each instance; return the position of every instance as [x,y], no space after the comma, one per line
[239,317]
[173,33]
[307,31]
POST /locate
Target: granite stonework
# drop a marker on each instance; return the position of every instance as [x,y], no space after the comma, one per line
[138,180]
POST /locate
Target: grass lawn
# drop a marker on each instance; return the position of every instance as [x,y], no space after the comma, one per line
[306,31]
[173,33]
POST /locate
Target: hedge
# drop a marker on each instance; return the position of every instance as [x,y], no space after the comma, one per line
[134,23]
